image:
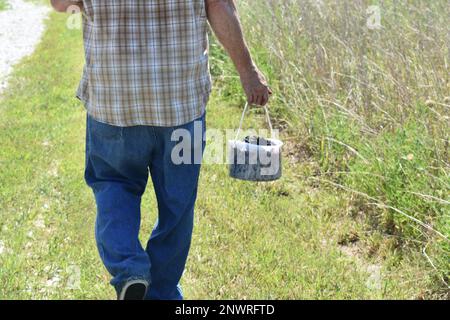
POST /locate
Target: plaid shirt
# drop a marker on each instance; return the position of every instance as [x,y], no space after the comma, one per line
[146,61]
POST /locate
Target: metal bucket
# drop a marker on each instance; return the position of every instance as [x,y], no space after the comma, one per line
[255,158]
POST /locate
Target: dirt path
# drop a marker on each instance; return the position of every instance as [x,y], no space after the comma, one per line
[21,27]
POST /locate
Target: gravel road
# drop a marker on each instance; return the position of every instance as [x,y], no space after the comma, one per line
[21,27]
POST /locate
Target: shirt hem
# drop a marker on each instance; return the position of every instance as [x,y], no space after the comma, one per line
[193,117]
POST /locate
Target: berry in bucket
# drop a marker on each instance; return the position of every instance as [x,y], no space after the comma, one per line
[255,158]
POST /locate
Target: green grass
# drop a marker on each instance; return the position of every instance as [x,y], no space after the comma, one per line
[3,5]
[370,106]
[292,239]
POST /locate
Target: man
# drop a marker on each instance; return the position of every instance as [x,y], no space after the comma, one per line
[146,75]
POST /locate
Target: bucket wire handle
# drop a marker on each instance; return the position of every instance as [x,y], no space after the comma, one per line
[267,119]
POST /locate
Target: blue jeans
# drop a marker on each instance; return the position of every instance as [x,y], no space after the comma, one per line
[118,163]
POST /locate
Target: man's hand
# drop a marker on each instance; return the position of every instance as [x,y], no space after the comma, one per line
[255,87]
[224,20]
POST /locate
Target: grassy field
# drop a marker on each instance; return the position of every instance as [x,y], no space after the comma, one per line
[365,88]
[298,238]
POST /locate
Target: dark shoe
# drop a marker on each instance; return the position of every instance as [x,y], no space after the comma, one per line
[134,290]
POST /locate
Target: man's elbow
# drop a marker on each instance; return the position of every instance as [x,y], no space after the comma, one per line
[58,5]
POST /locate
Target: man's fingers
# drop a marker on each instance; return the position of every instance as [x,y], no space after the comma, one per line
[249,98]
[259,100]
[265,99]
[262,99]
[259,96]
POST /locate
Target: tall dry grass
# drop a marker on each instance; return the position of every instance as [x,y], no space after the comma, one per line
[371,100]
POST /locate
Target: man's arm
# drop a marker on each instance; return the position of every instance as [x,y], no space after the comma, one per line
[224,20]
[63,5]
